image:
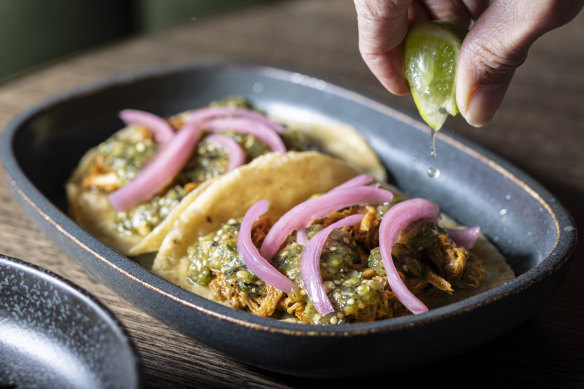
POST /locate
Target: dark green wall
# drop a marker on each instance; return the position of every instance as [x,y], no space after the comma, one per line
[155,14]
[33,32]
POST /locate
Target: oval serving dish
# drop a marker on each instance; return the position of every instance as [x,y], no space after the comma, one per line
[525,221]
[55,335]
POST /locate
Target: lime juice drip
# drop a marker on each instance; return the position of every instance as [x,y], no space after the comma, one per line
[432,171]
[433,143]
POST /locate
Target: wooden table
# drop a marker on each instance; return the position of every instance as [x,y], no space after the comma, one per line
[539,128]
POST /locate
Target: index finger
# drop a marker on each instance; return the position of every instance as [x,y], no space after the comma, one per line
[382,28]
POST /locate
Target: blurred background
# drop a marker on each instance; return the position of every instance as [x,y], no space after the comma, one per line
[56,28]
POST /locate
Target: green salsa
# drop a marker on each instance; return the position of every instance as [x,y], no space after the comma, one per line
[217,253]
[350,294]
[210,161]
[127,151]
[143,218]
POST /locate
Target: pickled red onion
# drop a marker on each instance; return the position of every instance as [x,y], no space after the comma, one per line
[359,180]
[162,131]
[235,153]
[213,112]
[304,213]
[310,265]
[301,237]
[247,126]
[396,219]
[159,171]
[465,237]
[250,255]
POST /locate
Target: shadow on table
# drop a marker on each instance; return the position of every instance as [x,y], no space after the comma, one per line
[499,364]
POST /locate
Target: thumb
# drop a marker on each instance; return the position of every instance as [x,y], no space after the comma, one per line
[496,45]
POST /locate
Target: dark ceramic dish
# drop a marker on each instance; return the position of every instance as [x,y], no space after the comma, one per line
[41,147]
[54,335]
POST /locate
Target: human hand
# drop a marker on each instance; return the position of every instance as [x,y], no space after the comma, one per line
[495,46]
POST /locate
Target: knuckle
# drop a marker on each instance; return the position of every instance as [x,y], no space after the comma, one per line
[374,10]
[495,60]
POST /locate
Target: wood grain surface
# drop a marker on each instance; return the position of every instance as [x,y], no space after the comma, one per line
[539,128]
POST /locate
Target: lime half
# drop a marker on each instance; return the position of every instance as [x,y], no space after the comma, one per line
[430,62]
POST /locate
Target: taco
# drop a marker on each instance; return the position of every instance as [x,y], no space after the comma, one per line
[310,239]
[129,190]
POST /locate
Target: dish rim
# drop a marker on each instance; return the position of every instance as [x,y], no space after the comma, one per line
[28,192]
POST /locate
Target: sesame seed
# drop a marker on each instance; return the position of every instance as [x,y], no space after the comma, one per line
[351,301]
[334,320]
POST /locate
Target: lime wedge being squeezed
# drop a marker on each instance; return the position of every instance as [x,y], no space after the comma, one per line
[430,62]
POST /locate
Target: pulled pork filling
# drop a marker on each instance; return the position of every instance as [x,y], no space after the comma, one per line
[430,263]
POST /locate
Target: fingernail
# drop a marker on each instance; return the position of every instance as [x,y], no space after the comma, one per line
[483,104]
